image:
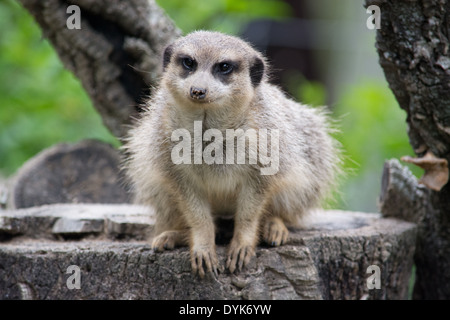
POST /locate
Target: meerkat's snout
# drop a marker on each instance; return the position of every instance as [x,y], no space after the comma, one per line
[200,86]
[198,93]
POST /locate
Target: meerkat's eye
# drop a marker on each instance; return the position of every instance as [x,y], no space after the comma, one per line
[188,63]
[225,67]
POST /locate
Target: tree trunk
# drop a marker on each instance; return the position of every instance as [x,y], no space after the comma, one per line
[413,46]
[116,54]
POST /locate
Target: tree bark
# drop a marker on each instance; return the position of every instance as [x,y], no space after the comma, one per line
[413,46]
[116,54]
[327,260]
[84,172]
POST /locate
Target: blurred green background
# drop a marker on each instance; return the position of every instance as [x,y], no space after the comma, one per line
[41,103]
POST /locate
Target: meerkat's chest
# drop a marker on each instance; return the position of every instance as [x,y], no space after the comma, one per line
[219,183]
[219,178]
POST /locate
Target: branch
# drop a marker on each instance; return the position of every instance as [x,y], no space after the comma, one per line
[116,54]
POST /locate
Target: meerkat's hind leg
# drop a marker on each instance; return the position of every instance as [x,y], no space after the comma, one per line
[167,240]
[274,231]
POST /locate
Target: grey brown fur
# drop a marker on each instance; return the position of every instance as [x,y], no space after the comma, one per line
[189,197]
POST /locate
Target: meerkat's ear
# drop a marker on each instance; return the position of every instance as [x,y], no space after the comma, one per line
[257,69]
[167,55]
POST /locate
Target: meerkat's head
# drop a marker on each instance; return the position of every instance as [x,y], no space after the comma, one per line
[210,69]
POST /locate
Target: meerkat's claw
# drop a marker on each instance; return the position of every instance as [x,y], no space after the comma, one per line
[275,232]
[165,241]
[204,258]
[239,256]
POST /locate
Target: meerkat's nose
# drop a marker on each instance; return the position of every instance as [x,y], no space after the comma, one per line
[198,93]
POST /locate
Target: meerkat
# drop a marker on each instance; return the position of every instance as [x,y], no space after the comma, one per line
[220,82]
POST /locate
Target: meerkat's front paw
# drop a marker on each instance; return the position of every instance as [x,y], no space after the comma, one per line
[275,232]
[239,255]
[204,257]
[166,240]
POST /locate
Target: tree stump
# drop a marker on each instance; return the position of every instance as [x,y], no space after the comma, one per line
[84,172]
[328,259]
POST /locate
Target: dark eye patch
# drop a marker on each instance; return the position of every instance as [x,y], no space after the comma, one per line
[257,70]
[167,55]
[188,64]
[223,69]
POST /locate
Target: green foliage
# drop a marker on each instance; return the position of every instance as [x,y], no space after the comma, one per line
[41,103]
[373,130]
[372,121]
[222,15]
[308,92]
